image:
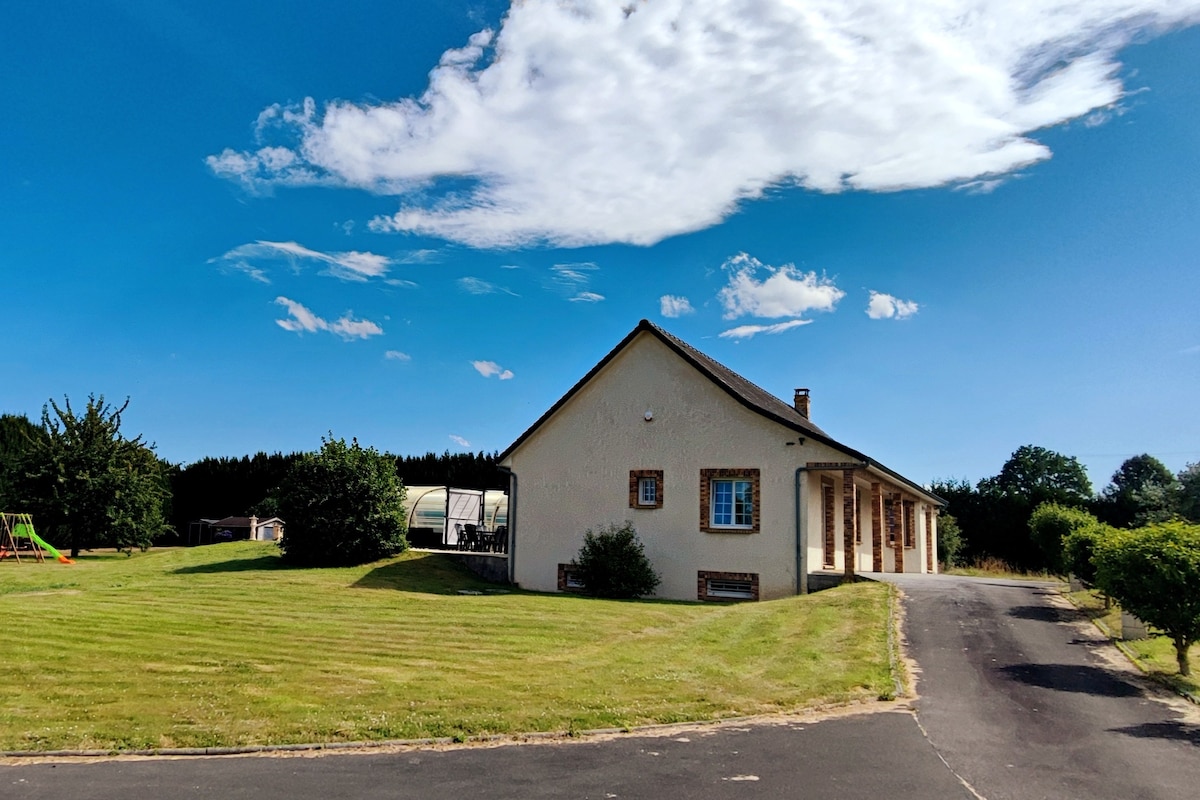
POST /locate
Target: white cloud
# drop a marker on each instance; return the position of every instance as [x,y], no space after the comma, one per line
[396,355]
[489,368]
[672,306]
[460,441]
[747,331]
[587,297]
[302,320]
[348,266]
[583,122]
[884,306]
[785,292]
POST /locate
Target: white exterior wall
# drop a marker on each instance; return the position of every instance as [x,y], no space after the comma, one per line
[573,474]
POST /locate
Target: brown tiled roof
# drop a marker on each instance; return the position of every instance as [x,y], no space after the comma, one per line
[745,392]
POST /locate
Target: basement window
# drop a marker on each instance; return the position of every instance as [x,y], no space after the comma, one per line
[726,586]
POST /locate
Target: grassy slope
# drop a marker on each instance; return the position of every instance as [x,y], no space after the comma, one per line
[222,645]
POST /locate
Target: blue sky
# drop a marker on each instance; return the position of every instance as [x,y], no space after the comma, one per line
[966,226]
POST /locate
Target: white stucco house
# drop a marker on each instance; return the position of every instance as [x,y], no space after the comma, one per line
[734,493]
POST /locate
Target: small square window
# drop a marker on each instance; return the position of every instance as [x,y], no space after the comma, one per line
[645,488]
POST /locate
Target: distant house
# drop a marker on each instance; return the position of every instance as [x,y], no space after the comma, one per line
[206,531]
[734,493]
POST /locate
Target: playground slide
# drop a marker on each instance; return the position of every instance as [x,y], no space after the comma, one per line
[21,529]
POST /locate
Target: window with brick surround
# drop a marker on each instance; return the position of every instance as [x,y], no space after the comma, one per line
[729,500]
[645,488]
[910,524]
[726,586]
[568,578]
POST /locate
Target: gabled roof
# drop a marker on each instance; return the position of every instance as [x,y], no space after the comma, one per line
[748,394]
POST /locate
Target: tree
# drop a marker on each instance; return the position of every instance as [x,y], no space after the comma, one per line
[612,563]
[1154,573]
[1142,491]
[949,540]
[88,485]
[1051,524]
[1036,475]
[1188,499]
[17,435]
[1003,504]
[341,506]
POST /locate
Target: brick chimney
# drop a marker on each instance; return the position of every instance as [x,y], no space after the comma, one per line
[802,402]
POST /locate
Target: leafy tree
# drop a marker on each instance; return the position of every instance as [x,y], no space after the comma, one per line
[613,563]
[1035,475]
[1154,573]
[17,435]
[87,484]
[1142,491]
[341,506]
[1188,499]
[949,540]
[1051,524]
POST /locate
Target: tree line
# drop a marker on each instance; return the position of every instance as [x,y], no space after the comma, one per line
[89,485]
[990,519]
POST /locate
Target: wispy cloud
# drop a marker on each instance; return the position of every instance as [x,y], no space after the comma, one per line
[884,306]
[783,292]
[572,280]
[747,331]
[348,266]
[301,320]
[396,355]
[671,306]
[480,286]
[460,441]
[490,368]
[645,120]
[425,256]
[1191,351]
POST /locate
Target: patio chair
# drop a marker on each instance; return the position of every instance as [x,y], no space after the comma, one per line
[472,534]
[500,542]
[461,535]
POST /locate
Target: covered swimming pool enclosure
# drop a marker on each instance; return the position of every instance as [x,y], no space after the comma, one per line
[446,518]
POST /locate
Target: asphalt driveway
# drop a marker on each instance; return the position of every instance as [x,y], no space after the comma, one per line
[1024,699]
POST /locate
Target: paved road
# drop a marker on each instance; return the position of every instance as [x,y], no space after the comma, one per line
[1016,700]
[871,756]
[1024,699]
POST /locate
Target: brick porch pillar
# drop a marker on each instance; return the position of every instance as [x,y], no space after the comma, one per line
[849,525]
[876,527]
[930,511]
[897,522]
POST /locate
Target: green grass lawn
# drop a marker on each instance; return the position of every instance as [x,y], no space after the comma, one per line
[223,645]
[1155,654]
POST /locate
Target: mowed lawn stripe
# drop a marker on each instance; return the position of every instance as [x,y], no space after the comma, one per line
[222,645]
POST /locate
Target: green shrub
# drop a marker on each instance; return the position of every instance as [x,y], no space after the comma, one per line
[341,506]
[613,563]
[1154,573]
[949,541]
[1079,548]
[1050,525]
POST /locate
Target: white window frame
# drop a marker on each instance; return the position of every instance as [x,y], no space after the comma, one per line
[647,492]
[748,512]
